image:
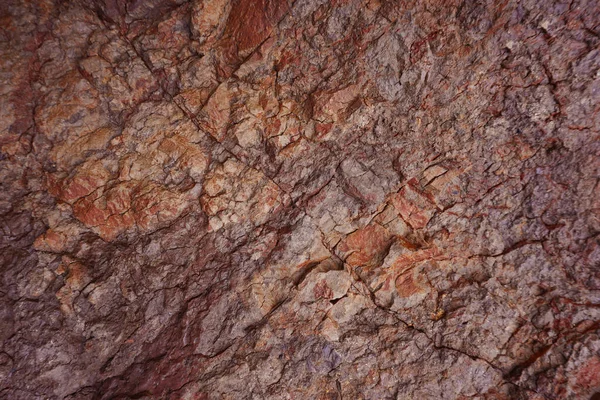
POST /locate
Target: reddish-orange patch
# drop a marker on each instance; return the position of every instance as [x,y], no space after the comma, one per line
[51,241]
[413,206]
[367,245]
[407,286]
[406,260]
[323,129]
[87,211]
[250,23]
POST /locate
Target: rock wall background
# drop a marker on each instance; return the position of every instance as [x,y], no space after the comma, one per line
[309,199]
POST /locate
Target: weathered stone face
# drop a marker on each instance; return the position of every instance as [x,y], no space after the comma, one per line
[354,199]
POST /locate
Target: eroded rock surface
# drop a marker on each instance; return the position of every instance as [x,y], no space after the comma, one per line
[271,199]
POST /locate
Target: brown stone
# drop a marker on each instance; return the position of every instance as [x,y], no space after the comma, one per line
[349,199]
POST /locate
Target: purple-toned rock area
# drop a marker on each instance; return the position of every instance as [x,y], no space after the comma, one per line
[299,199]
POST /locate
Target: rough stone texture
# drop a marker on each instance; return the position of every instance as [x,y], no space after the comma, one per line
[309,199]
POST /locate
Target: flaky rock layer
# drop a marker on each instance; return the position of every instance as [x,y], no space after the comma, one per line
[299,199]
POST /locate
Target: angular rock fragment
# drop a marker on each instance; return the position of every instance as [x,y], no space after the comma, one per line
[357,199]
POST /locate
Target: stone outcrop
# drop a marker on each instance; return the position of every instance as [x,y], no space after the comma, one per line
[299,199]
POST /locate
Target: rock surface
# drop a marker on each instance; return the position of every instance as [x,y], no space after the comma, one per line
[307,199]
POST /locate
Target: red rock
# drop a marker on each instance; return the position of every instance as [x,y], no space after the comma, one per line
[401,263]
[366,246]
[408,285]
[413,206]
[217,111]
[52,241]
[88,179]
[356,199]
[249,24]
